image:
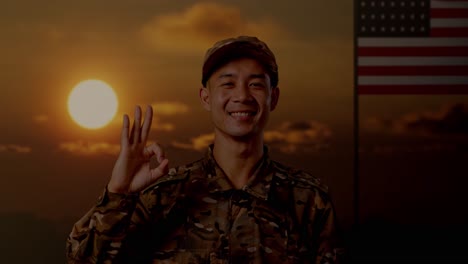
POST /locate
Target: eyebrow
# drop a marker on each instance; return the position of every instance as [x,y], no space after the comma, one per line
[251,76]
[257,76]
[225,75]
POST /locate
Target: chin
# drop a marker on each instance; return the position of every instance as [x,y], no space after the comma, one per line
[243,135]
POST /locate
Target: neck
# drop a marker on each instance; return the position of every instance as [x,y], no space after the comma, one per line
[237,158]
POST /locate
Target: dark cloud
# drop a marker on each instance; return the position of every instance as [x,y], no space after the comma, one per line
[299,126]
[416,148]
[451,120]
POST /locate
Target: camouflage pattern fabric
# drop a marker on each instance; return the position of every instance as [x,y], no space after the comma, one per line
[194,215]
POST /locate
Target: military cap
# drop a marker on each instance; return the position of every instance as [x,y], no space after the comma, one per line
[230,49]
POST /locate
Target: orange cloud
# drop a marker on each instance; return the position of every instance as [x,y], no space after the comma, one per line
[169,108]
[40,118]
[201,25]
[161,126]
[86,148]
[199,143]
[306,136]
[15,148]
[289,137]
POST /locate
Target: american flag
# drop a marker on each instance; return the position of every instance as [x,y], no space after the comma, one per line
[411,46]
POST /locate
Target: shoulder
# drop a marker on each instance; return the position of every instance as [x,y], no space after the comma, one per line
[176,176]
[300,182]
[298,178]
[169,188]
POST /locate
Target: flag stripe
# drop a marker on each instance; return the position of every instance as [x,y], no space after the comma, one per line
[449,4]
[413,51]
[412,80]
[411,61]
[448,12]
[412,70]
[412,42]
[449,32]
[444,23]
[413,89]
[418,51]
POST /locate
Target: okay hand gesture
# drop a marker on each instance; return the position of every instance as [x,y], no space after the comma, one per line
[132,172]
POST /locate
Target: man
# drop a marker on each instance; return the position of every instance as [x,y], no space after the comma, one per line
[234,205]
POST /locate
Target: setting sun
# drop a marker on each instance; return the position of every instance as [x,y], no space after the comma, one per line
[92,104]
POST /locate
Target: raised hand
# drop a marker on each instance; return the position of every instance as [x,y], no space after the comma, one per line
[132,172]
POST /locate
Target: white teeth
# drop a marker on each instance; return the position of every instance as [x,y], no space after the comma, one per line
[241,114]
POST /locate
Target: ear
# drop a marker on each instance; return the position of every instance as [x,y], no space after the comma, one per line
[275,92]
[204,95]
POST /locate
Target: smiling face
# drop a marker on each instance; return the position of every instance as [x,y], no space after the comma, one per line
[240,98]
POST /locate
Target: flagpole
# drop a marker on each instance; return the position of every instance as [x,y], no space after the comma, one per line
[356,121]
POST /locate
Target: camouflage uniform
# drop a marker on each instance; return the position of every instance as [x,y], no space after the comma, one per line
[194,215]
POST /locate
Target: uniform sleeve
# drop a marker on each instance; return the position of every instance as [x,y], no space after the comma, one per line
[330,248]
[100,235]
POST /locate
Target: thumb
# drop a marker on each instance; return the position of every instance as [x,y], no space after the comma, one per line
[159,171]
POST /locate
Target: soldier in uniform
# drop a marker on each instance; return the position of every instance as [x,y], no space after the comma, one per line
[234,205]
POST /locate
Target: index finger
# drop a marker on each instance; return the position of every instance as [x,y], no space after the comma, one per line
[124,133]
[147,123]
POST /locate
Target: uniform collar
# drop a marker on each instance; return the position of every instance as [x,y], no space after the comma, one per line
[258,185]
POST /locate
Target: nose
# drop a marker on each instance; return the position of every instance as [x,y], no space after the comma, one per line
[242,93]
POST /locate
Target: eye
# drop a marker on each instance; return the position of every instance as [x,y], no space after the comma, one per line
[227,84]
[257,84]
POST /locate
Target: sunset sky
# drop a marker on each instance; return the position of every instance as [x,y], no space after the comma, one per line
[151,52]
